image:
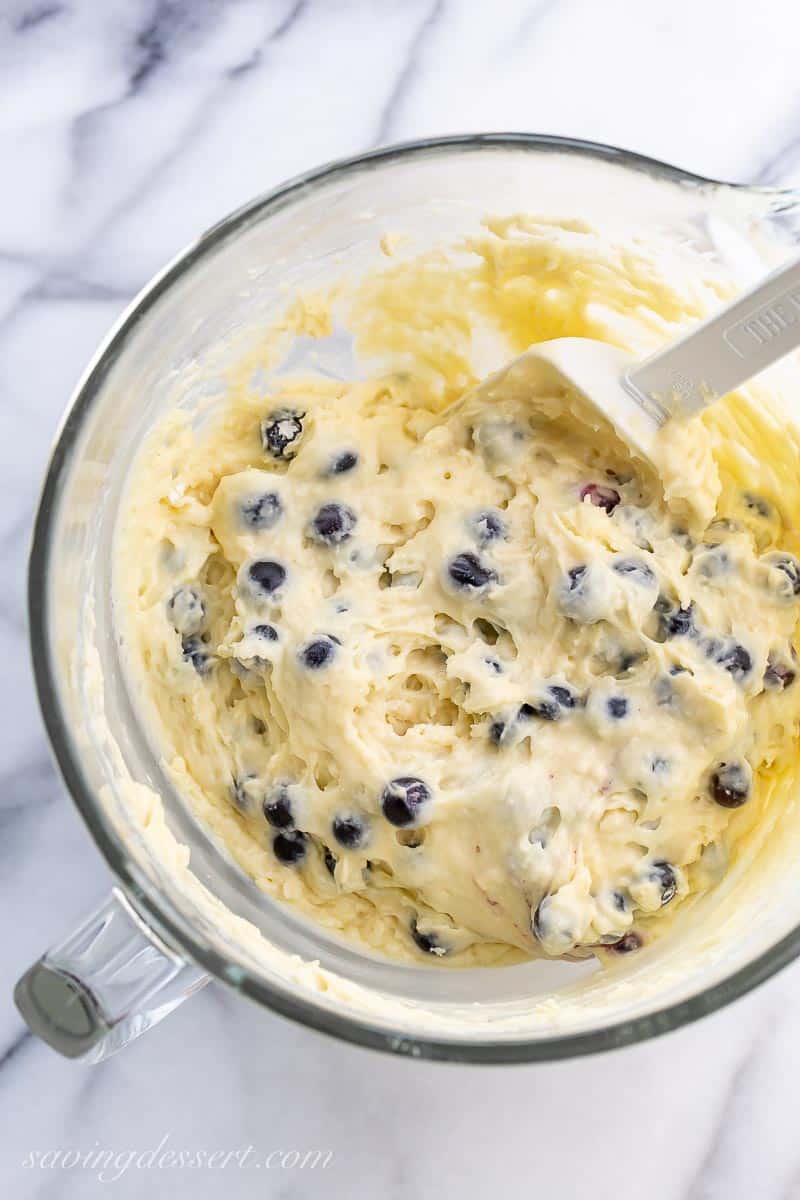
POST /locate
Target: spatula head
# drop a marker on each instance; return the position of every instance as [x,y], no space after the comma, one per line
[594,371]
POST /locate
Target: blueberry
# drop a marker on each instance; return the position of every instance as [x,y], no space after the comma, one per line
[487,526]
[267,575]
[268,632]
[620,901]
[675,621]
[712,560]
[789,568]
[403,799]
[601,496]
[576,577]
[319,653]
[350,831]
[280,432]
[196,652]
[289,847]
[429,943]
[635,569]
[260,658]
[730,784]
[497,730]
[550,708]
[277,808]
[330,861]
[333,524]
[730,655]
[543,710]
[778,675]
[344,461]
[550,926]
[664,875]
[495,665]
[629,942]
[186,610]
[617,707]
[262,512]
[467,571]
[578,595]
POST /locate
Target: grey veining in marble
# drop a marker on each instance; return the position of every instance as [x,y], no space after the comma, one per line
[127,127]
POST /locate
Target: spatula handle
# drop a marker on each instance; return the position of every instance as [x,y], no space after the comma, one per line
[752,333]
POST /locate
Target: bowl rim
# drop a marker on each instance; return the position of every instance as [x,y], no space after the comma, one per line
[171,925]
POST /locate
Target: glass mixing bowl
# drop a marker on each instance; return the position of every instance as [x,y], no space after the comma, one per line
[167,929]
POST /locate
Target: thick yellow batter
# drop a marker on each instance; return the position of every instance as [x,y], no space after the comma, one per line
[444,666]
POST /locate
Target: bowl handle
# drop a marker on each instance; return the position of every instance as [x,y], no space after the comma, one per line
[108,981]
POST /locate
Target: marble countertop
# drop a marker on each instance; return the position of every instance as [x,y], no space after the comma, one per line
[127,126]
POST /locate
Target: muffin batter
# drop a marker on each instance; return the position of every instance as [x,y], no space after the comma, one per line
[444,666]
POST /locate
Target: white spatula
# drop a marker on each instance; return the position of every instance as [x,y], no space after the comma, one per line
[722,353]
